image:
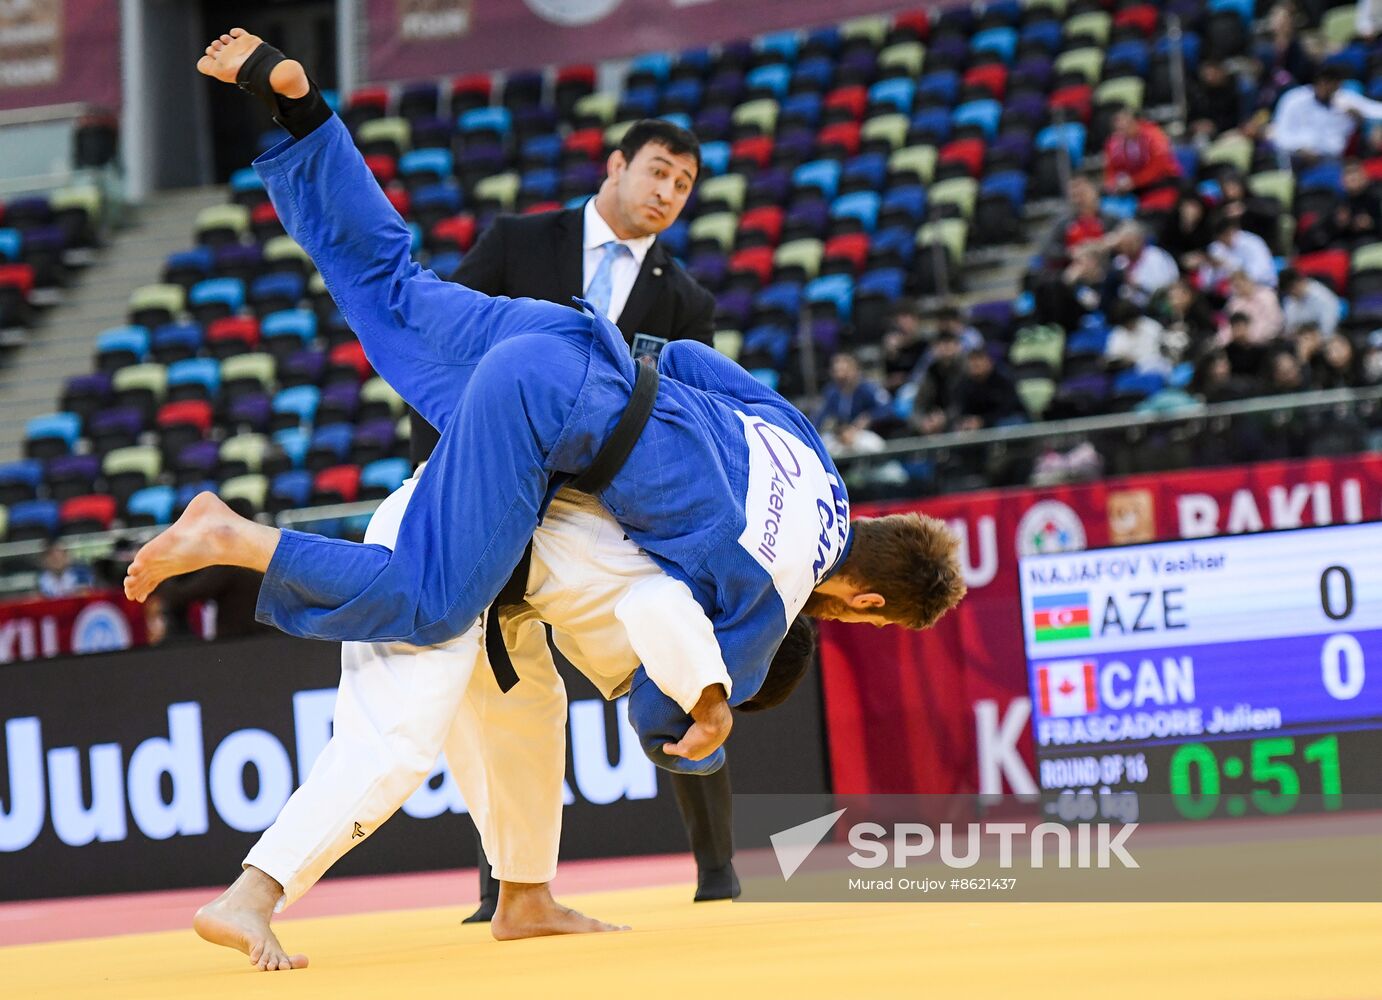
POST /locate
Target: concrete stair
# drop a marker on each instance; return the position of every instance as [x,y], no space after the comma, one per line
[31,382]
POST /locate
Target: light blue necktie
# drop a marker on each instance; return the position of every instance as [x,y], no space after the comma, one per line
[602,285]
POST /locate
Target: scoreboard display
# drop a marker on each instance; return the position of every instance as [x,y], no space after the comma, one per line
[1224,676]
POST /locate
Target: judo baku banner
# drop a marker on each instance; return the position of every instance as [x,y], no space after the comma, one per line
[91,623]
[948,711]
[415,38]
[59,51]
[158,768]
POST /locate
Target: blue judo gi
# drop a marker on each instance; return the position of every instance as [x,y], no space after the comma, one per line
[729,489]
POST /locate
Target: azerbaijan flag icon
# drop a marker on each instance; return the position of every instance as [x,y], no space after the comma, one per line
[1061,616]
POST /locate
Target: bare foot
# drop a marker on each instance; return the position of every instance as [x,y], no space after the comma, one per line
[239,918]
[206,534]
[527,911]
[225,55]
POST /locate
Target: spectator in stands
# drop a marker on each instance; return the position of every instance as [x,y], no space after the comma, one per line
[1305,301]
[60,576]
[1136,341]
[1143,269]
[949,319]
[1245,355]
[986,397]
[1181,309]
[1083,222]
[234,592]
[1284,61]
[1235,249]
[1315,122]
[1367,19]
[937,385]
[1370,367]
[1284,375]
[904,344]
[850,407]
[1138,158]
[1337,366]
[1214,380]
[1188,231]
[1214,101]
[1357,220]
[1260,304]
[1308,344]
[1082,288]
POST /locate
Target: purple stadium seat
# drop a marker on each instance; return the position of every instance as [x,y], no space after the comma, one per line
[115,428]
[70,476]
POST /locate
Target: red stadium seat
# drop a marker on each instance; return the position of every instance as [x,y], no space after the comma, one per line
[852,247]
[767,220]
[241,330]
[590,141]
[383,166]
[853,99]
[1329,266]
[93,512]
[576,74]
[20,276]
[757,149]
[188,412]
[351,356]
[473,83]
[1159,201]
[843,136]
[262,213]
[457,231]
[1076,100]
[338,484]
[969,152]
[538,207]
[916,23]
[1142,17]
[1373,168]
[371,97]
[992,77]
[757,261]
[399,199]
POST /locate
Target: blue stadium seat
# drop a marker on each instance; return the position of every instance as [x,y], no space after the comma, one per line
[291,489]
[1011,184]
[1071,135]
[1132,55]
[823,175]
[869,169]
[898,241]
[654,64]
[784,297]
[1046,34]
[175,340]
[835,289]
[486,120]
[906,199]
[816,73]
[771,80]
[281,286]
[33,519]
[679,118]
[771,340]
[227,291]
[187,491]
[782,43]
[11,243]
[931,125]
[386,474]
[294,441]
[714,158]
[888,282]
[300,401]
[299,323]
[541,183]
[803,109]
[205,372]
[443,198]
[128,340]
[544,149]
[65,427]
[768,376]
[151,505]
[942,86]
[437,162]
[1001,41]
[859,205]
[897,92]
[245,179]
[984,114]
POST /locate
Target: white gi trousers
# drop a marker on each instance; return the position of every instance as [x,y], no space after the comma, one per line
[400,706]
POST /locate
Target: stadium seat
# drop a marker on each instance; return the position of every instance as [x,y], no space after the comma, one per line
[121,346]
[295,407]
[127,470]
[194,379]
[289,490]
[340,484]
[19,481]
[32,520]
[51,435]
[156,305]
[150,506]
[86,514]
[378,399]
[241,454]
[247,495]
[219,225]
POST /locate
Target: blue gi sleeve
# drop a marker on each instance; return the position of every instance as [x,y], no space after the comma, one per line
[658,719]
[703,367]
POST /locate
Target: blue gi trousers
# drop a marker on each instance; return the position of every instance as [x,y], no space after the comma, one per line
[521,390]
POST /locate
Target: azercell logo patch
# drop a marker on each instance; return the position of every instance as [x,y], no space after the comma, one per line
[1060,616]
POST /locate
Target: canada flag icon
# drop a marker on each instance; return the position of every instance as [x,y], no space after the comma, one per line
[1067,687]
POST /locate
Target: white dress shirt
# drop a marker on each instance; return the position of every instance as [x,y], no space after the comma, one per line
[1302,124]
[596,234]
[1246,252]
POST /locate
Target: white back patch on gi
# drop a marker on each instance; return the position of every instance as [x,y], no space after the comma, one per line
[796,515]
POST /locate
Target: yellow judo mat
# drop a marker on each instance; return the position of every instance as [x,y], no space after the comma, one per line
[760,951]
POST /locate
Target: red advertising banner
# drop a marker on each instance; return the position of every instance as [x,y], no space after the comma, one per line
[97,622]
[948,710]
[59,51]
[409,39]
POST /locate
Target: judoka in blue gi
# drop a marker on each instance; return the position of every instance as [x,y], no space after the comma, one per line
[727,487]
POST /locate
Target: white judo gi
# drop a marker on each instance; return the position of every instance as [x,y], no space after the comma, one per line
[400,706]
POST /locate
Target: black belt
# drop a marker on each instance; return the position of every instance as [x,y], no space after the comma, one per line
[608,461]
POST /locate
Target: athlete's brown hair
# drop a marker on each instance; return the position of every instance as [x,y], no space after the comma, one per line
[912,561]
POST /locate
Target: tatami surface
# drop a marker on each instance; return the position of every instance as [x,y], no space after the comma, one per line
[721,951]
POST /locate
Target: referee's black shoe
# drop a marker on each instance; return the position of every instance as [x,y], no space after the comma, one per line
[717,883]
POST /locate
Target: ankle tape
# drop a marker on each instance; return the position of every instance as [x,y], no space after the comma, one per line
[299,115]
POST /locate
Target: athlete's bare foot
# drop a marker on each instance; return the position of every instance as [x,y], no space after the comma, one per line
[225,55]
[207,534]
[239,918]
[528,910]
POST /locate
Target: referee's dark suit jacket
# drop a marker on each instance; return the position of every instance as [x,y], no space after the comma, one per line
[541,257]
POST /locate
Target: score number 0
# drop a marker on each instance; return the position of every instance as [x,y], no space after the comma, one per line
[1341,659]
